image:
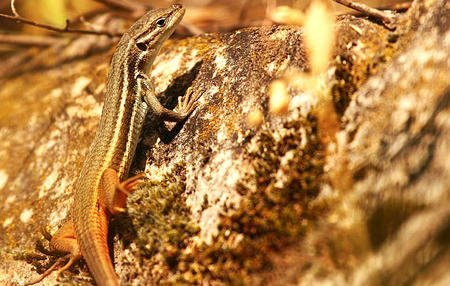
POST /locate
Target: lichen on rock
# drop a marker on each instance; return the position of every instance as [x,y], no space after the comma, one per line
[236,202]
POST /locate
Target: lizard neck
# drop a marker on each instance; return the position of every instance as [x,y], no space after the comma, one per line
[124,110]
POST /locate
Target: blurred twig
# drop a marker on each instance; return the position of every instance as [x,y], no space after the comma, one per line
[402,6]
[386,17]
[67,29]
[28,40]
[243,11]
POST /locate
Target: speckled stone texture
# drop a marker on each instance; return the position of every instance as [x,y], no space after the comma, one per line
[250,205]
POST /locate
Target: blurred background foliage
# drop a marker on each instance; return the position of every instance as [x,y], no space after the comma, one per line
[207,15]
[202,16]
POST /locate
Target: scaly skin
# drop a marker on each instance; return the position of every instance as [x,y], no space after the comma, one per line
[129,96]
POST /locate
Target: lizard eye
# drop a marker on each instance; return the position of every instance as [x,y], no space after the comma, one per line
[161,22]
[141,46]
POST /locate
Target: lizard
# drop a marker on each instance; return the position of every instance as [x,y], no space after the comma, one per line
[102,186]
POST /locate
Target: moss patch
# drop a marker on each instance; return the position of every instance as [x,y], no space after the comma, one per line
[357,58]
[274,212]
[160,216]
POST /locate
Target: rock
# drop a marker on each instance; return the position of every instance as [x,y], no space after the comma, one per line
[230,201]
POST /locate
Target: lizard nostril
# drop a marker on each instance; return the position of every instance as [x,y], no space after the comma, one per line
[177,6]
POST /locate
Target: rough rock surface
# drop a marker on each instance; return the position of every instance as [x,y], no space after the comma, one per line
[229,203]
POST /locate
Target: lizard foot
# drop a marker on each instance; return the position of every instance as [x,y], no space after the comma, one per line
[63,241]
[113,193]
[188,103]
[58,262]
[129,185]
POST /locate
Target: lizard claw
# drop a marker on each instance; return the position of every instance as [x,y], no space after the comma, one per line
[129,185]
[188,102]
[72,260]
[119,210]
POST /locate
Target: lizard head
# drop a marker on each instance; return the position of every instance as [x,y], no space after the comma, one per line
[139,46]
[150,31]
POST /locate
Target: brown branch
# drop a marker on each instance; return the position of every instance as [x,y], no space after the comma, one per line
[67,29]
[399,7]
[387,18]
[28,40]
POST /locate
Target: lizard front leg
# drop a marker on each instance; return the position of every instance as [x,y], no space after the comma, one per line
[186,104]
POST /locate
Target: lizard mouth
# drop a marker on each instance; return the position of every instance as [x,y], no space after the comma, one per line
[177,14]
